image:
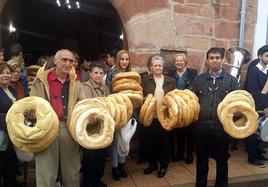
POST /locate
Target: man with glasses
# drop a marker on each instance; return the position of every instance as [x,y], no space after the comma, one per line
[59,86]
[210,138]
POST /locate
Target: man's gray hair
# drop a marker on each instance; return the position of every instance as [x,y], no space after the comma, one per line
[157,57]
[58,53]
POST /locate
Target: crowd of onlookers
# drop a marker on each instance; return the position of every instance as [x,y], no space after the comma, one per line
[157,146]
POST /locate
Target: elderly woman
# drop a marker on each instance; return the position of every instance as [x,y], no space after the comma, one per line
[157,143]
[122,64]
[94,160]
[184,77]
[8,157]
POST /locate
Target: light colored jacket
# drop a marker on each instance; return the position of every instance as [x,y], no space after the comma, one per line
[40,88]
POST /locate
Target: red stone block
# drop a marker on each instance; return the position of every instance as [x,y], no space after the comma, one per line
[196,59]
[187,24]
[140,59]
[130,8]
[219,43]
[230,13]
[186,9]
[249,32]
[197,1]
[179,1]
[205,11]
[233,3]
[252,3]
[251,15]
[200,43]
[227,30]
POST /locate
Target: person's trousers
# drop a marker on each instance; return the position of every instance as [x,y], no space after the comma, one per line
[252,147]
[143,147]
[213,142]
[8,165]
[115,157]
[62,154]
[93,166]
[158,141]
[182,139]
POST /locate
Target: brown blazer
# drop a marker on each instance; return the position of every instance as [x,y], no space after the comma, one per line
[148,84]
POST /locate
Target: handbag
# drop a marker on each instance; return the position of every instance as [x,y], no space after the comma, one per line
[23,155]
[124,136]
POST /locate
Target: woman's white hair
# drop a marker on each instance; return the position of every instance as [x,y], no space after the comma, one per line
[157,58]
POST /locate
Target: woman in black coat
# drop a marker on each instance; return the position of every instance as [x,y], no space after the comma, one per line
[8,157]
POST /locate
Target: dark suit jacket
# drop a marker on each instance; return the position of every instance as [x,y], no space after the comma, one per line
[148,84]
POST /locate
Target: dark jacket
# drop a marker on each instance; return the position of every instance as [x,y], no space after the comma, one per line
[109,77]
[5,104]
[148,84]
[254,84]
[210,95]
[189,78]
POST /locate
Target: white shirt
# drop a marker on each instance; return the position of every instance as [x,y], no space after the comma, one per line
[261,68]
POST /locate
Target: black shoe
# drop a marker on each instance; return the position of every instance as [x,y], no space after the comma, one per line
[150,169]
[122,170]
[262,150]
[189,159]
[256,162]
[176,158]
[263,158]
[161,173]
[101,184]
[116,173]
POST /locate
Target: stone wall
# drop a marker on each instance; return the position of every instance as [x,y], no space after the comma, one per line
[193,25]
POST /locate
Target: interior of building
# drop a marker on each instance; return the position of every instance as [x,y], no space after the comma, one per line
[42,27]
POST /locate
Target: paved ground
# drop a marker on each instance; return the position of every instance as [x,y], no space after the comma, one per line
[183,175]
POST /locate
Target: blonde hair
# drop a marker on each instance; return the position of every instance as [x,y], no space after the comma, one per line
[183,55]
[117,60]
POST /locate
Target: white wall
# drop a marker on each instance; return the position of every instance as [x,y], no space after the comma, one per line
[260,37]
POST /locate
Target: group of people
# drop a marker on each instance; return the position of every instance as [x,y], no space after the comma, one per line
[63,88]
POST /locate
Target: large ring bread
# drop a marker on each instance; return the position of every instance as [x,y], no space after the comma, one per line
[123,111]
[124,80]
[92,125]
[149,113]
[239,131]
[238,101]
[167,112]
[136,99]
[81,107]
[147,110]
[127,86]
[34,138]
[129,75]
[97,137]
